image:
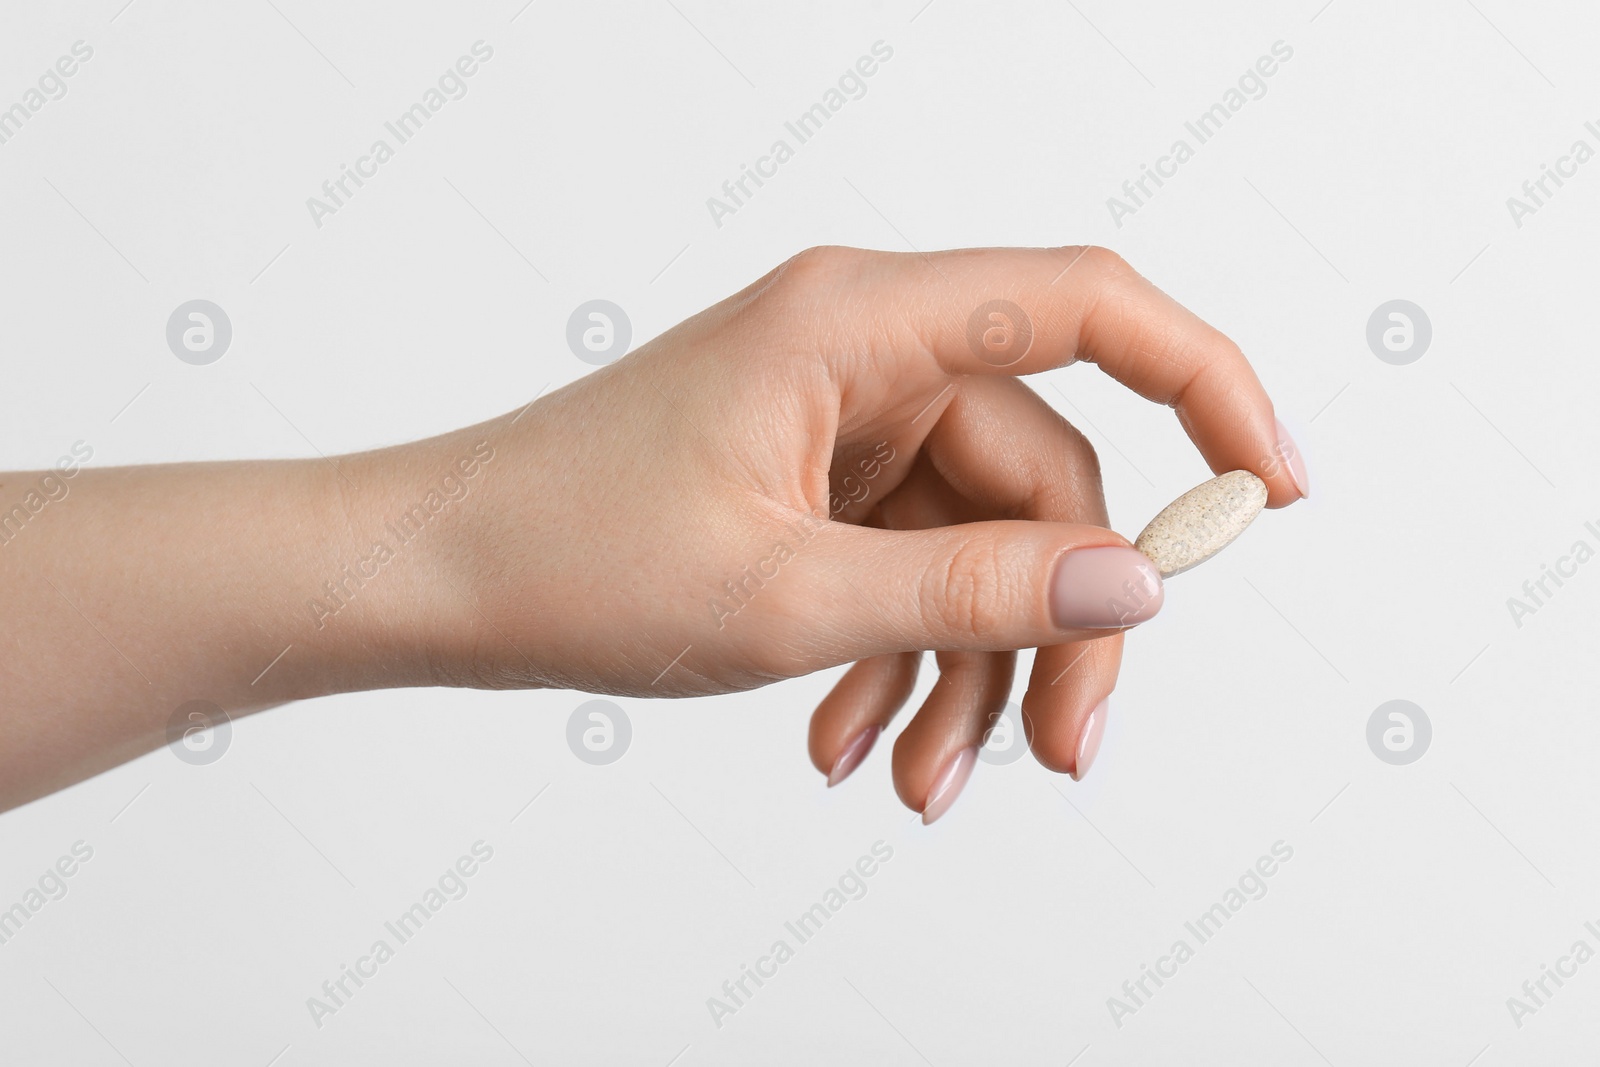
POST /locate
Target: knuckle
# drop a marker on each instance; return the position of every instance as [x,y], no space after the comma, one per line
[1074,492]
[784,304]
[1092,471]
[1215,354]
[1103,261]
[1224,350]
[821,267]
[968,593]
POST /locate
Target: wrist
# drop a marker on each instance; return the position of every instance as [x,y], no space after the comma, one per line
[420,582]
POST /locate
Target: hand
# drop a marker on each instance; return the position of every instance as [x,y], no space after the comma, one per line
[831,466]
[835,465]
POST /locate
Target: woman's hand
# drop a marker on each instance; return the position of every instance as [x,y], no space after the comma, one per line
[835,465]
[838,464]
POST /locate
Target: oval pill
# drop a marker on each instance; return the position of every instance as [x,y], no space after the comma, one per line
[1202,522]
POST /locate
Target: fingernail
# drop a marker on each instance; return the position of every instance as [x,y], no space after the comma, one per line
[1094,728]
[948,786]
[853,754]
[1293,460]
[1104,588]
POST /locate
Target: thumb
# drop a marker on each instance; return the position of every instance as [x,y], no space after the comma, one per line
[980,586]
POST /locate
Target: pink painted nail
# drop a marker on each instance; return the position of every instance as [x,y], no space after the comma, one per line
[1094,728]
[853,754]
[1296,462]
[948,787]
[1104,588]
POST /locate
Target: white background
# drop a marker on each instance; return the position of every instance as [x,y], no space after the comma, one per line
[1376,167]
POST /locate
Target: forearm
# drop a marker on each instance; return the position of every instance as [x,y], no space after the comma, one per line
[241,584]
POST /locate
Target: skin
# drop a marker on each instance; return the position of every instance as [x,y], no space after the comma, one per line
[585,552]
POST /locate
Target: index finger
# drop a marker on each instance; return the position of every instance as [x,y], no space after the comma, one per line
[1021,311]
